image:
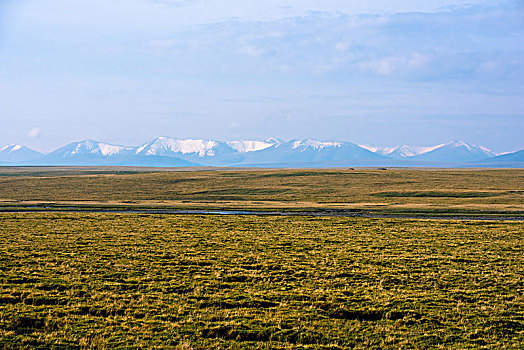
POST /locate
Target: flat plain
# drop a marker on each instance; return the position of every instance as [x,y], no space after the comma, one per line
[387,190]
[74,279]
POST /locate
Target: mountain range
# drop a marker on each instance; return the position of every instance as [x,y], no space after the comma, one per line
[172,152]
[457,151]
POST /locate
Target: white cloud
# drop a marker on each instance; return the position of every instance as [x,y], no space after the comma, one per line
[34,133]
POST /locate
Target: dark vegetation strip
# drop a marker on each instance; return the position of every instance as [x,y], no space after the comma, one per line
[315,213]
[438,194]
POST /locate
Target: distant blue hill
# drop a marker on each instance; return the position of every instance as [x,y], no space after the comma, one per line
[509,160]
[18,153]
[511,157]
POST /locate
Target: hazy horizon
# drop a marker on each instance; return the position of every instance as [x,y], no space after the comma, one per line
[372,73]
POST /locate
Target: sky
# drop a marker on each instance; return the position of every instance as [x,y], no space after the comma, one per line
[381,73]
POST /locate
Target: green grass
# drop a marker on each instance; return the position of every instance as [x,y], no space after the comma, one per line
[80,280]
[495,190]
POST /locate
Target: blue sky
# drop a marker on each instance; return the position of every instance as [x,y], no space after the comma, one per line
[375,72]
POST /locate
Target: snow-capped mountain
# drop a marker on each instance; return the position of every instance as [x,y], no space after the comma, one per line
[168,146]
[250,146]
[89,152]
[400,152]
[456,152]
[408,151]
[452,152]
[18,153]
[89,148]
[206,152]
[517,156]
[309,151]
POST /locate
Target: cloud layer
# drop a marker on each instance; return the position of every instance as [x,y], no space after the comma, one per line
[470,44]
[294,69]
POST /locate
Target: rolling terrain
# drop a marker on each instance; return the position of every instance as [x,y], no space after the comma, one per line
[80,269]
[386,190]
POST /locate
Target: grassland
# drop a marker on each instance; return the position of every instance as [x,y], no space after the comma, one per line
[120,280]
[105,280]
[387,190]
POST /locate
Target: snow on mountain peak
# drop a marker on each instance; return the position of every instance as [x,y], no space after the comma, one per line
[11,148]
[472,148]
[95,147]
[422,149]
[402,151]
[370,148]
[399,151]
[164,145]
[274,141]
[109,150]
[248,146]
[315,144]
[460,143]
[487,150]
[411,151]
[406,151]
